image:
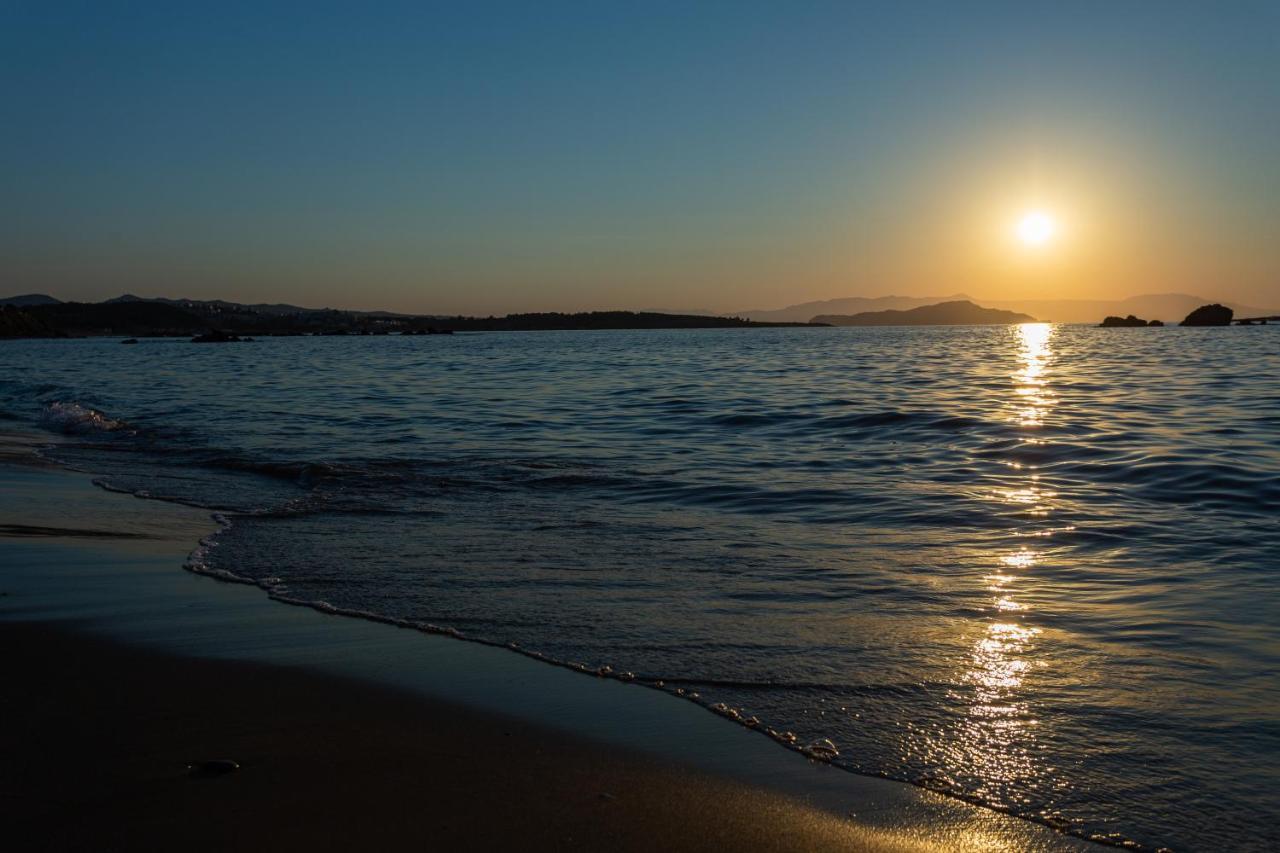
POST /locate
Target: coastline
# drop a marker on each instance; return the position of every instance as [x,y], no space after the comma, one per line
[96,601]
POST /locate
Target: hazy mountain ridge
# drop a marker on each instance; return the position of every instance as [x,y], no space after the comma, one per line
[959,312]
[804,311]
[226,305]
[26,299]
[1169,307]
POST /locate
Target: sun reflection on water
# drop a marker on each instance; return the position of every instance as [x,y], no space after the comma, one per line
[1030,385]
[995,740]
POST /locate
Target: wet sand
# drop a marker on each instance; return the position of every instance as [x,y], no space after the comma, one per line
[98,736]
[120,669]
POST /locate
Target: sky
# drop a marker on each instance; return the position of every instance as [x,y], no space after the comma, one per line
[491,157]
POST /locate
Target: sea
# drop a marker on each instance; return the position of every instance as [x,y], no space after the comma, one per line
[1035,567]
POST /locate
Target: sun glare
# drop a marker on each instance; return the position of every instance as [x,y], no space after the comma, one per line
[1036,228]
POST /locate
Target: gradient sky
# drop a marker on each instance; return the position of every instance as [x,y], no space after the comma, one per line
[494,157]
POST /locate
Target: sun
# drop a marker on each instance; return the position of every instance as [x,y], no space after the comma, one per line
[1036,228]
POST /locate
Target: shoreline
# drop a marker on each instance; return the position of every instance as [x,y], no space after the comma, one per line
[125,589]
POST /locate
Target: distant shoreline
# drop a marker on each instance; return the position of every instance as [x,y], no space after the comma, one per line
[143,318]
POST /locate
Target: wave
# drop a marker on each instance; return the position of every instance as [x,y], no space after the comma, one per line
[822,750]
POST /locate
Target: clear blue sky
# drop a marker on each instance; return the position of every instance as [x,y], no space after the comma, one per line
[486,157]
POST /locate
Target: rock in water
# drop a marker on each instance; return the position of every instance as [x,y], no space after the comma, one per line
[1124,322]
[1155,323]
[214,336]
[212,767]
[822,750]
[1209,315]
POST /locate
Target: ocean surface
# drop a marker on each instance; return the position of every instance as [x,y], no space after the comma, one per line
[1036,567]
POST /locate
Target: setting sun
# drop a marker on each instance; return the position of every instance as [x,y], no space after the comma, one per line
[1036,228]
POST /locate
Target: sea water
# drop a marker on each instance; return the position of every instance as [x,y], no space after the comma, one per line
[1036,567]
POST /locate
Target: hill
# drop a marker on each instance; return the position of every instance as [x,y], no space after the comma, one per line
[82,319]
[959,313]
[28,299]
[207,306]
[850,305]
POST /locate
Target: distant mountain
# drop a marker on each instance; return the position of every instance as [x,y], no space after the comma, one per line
[215,305]
[30,299]
[958,313]
[1169,307]
[687,312]
[852,305]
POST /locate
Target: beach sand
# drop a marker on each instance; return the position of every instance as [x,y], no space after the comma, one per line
[120,670]
[98,736]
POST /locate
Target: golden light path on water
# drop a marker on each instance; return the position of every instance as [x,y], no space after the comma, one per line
[995,740]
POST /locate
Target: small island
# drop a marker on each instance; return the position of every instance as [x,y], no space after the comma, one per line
[1127,322]
[1209,315]
[959,313]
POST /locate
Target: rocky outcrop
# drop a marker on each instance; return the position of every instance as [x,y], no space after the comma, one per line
[1209,315]
[1127,322]
[216,336]
[1123,322]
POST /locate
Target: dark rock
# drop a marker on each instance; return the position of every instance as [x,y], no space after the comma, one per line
[215,336]
[1155,323]
[1209,315]
[129,341]
[212,767]
[1123,322]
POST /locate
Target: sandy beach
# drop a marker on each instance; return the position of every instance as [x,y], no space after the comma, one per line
[99,736]
[122,670]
